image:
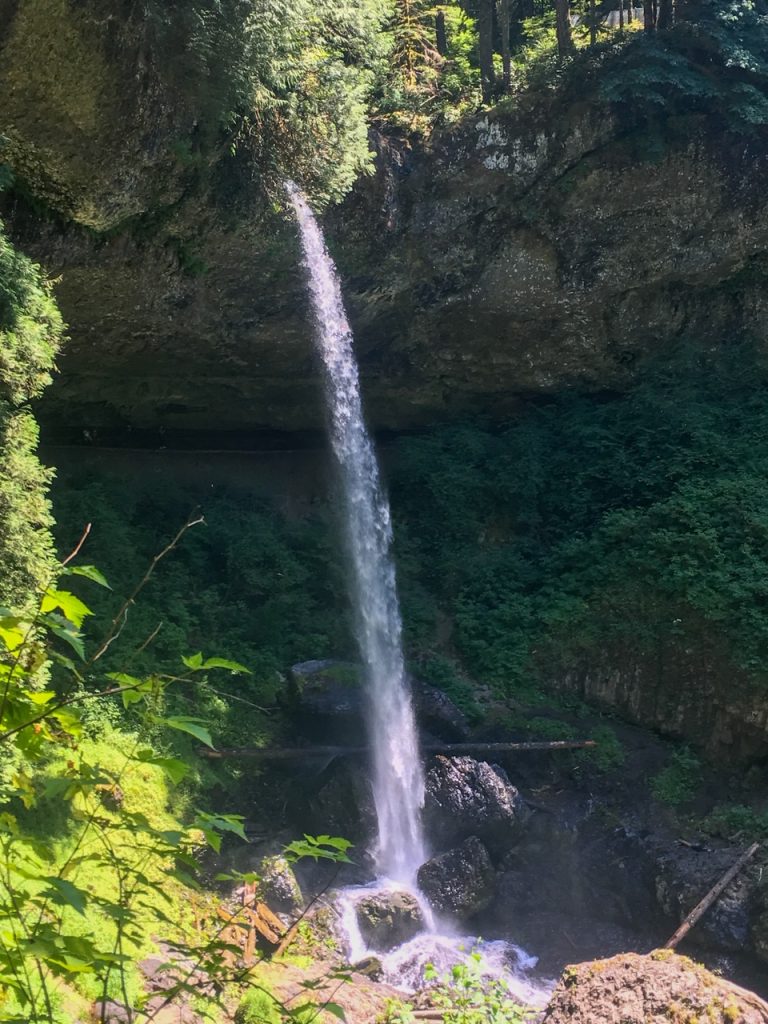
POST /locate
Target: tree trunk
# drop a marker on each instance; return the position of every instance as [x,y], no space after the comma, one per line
[621,15]
[441,37]
[630,11]
[564,39]
[666,15]
[592,23]
[506,56]
[648,16]
[485,48]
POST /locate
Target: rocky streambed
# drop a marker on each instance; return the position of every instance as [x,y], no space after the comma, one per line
[554,861]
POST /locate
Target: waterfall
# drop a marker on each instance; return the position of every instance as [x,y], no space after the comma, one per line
[398,781]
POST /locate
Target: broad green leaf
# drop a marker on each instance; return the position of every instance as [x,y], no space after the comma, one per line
[12,632]
[69,720]
[124,680]
[70,606]
[62,628]
[193,661]
[66,894]
[24,790]
[193,726]
[320,848]
[90,572]
[175,769]
[220,823]
[40,697]
[230,666]
[335,1010]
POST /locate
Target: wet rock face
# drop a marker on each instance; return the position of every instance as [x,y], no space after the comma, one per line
[327,701]
[389,919]
[520,252]
[465,797]
[459,882]
[661,988]
[344,804]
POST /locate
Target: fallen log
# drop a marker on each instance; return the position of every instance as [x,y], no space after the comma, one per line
[296,753]
[712,896]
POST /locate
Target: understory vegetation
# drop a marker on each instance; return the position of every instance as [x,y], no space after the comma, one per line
[592,532]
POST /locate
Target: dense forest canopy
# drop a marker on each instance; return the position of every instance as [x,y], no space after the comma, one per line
[301,83]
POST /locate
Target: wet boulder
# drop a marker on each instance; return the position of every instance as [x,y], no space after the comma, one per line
[460,882]
[388,919]
[278,887]
[325,698]
[437,713]
[370,967]
[465,797]
[661,988]
[344,805]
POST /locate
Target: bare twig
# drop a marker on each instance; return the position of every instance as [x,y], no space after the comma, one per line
[150,638]
[242,700]
[76,551]
[116,624]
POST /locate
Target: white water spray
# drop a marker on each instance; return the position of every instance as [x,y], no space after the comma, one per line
[398,781]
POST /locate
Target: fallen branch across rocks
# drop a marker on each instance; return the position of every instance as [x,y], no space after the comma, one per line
[712,896]
[451,749]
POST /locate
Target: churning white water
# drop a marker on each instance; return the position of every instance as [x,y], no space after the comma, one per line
[405,967]
[398,781]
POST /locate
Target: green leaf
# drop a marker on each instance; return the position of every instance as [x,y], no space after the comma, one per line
[319,848]
[69,720]
[335,1010]
[212,825]
[70,606]
[90,572]
[11,632]
[66,894]
[193,661]
[230,666]
[193,726]
[40,697]
[175,769]
[62,628]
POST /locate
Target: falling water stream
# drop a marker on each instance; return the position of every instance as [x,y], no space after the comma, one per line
[398,780]
[397,776]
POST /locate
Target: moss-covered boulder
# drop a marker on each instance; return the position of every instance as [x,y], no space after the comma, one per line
[661,988]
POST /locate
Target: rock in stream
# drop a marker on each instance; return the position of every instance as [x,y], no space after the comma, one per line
[460,882]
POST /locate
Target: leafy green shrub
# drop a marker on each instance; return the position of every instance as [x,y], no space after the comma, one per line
[247,582]
[678,782]
[735,820]
[468,995]
[396,1012]
[591,529]
[444,673]
[31,330]
[93,864]
[608,756]
[258,1006]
